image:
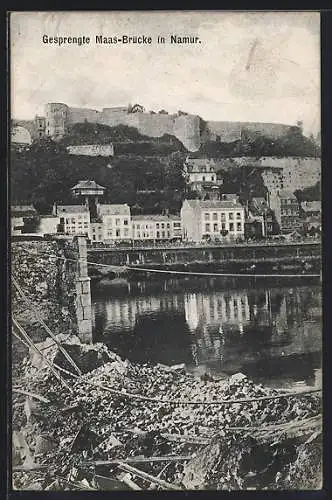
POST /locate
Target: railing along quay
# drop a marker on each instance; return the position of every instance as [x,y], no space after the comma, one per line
[203,246]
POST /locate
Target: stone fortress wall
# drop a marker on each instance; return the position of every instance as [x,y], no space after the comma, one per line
[286,173]
[232,131]
[92,150]
[185,127]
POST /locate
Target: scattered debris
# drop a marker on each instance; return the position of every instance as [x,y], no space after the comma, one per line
[261,441]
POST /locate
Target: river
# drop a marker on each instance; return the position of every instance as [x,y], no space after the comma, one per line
[272,332]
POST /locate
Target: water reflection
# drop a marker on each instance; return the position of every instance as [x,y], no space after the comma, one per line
[272,334]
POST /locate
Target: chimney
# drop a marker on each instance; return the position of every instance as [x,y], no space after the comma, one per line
[55,208]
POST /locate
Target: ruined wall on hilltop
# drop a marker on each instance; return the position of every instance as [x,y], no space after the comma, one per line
[113,116]
[297,173]
[92,150]
[185,127]
[187,130]
[152,125]
[231,131]
[80,115]
[57,119]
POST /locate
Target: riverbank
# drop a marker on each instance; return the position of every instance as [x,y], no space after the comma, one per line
[122,425]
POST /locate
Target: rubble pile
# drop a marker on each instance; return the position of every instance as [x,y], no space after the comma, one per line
[103,420]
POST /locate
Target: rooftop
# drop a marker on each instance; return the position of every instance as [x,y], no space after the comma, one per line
[156,218]
[120,209]
[87,185]
[22,210]
[311,206]
[72,209]
[214,204]
[287,195]
[204,168]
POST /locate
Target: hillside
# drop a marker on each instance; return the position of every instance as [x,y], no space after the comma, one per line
[126,140]
[47,172]
[293,143]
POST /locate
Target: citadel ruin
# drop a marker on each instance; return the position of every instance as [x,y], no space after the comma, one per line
[190,129]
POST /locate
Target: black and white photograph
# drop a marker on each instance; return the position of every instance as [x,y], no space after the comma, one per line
[166,253]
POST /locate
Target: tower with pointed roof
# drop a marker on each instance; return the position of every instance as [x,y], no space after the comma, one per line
[89,192]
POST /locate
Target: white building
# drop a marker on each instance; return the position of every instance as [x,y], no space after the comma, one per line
[73,219]
[200,174]
[114,223]
[48,224]
[215,219]
[156,227]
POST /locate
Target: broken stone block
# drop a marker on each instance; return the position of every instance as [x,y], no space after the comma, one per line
[44,444]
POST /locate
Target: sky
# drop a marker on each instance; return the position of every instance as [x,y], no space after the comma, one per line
[249,66]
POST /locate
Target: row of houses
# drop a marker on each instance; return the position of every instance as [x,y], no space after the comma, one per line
[223,219]
[199,220]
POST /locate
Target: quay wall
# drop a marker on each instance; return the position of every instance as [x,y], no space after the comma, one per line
[222,255]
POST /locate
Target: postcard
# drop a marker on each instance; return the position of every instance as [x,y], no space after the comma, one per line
[165,181]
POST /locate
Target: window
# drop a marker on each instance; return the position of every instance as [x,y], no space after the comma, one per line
[238,215]
[94,237]
[67,221]
[93,230]
[162,226]
[215,227]
[163,234]
[117,222]
[207,216]
[222,215]
[138,226]
[215,216]
[223,226]
[231,226]
[117,233]
[177,224]
[230,216]
[203,178]
[168,226]
[126,231]
[239,226]
[168,234]
[158,234]
[157,225]
[138,234]
[207,228]
[125,222]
